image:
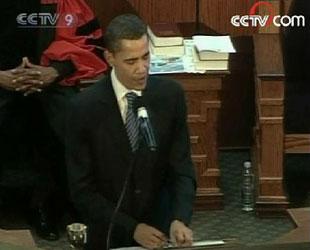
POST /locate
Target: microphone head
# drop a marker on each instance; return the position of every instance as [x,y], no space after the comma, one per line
[142,113]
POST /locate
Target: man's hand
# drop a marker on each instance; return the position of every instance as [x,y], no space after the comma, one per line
[36,77]
[8,79]
[149,237]
[28,77]
[180,234]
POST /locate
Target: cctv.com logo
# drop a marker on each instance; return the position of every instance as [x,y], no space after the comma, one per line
[254,20]
[47,20]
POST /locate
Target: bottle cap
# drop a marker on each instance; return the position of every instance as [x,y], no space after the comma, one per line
[247,164]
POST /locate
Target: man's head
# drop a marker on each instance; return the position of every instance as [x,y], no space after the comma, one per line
[127,50]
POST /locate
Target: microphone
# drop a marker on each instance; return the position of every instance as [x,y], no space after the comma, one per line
[145,126]
[148,135]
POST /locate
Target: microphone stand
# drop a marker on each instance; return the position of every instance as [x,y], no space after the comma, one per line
[151,144]
[121,197]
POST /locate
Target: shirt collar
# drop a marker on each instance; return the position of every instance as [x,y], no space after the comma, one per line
[119,88]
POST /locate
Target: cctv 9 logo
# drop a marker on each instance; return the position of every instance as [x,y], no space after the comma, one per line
[64,20]
[67,20]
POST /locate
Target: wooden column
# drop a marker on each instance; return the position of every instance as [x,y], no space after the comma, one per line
[269,148]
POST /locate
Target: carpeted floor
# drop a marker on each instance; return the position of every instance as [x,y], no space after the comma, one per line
[230,223]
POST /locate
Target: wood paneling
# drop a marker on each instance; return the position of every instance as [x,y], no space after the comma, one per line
[154,11]
[217,14]
[297,143]
[264,11]
[271,141]
[286,6]
[105,10]
[204,104]
[269,148]
[238,109]
[280,7]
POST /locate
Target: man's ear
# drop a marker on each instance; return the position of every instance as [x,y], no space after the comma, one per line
[109,57]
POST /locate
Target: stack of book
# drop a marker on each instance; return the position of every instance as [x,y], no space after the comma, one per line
[166,40]
[212,52]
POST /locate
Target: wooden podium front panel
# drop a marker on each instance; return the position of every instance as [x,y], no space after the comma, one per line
[203,105]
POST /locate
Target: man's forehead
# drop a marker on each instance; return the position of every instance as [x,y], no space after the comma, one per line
[133,47]
[133,42]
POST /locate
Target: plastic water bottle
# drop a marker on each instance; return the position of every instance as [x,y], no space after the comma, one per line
[247,191]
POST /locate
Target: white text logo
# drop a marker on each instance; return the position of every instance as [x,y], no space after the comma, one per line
[46,20]
[262,21]
[254,20]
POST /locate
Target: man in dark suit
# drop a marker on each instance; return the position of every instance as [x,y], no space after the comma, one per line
[102,156]
[41,65]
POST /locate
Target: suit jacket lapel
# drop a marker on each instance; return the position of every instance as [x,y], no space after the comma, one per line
[114,124]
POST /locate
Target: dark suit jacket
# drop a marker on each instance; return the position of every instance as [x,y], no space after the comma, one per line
[99,155]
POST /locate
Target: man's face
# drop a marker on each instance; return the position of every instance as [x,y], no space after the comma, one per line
[131,62]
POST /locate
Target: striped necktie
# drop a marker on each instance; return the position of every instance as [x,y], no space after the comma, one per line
[132,125]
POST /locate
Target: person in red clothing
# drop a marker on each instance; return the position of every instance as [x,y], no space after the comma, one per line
[43,64]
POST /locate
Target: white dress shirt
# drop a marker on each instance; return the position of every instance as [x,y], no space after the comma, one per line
[120,91]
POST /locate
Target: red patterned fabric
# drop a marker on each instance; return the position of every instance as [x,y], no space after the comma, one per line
[69,46]
[48,1]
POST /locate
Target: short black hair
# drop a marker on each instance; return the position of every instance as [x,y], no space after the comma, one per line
[126,26]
